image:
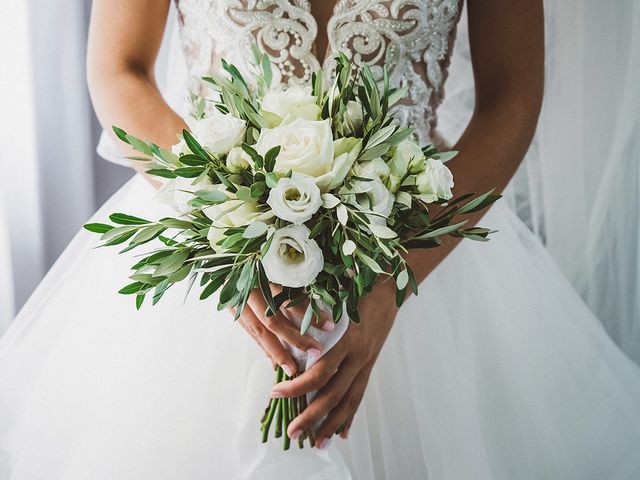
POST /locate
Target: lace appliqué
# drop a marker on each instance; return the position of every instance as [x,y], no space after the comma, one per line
[413,38]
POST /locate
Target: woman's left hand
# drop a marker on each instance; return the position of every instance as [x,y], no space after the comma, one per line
[341,375]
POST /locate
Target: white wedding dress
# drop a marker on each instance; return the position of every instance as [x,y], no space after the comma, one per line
[497,370]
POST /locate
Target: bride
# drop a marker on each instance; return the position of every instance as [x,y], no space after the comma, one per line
[497,370]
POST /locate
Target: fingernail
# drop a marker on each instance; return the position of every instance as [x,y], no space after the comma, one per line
[287,370]
[324,443]
[276,394]
[295,435]
[345,434]
[314,353]
[328,326]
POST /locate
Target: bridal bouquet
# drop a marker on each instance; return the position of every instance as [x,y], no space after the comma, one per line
[316,189]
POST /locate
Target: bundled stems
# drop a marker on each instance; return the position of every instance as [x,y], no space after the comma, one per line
[283,411]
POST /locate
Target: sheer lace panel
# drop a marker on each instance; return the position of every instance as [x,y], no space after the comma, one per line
[413,38]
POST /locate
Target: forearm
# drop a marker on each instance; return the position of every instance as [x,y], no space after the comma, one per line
[491,149]
[132,102]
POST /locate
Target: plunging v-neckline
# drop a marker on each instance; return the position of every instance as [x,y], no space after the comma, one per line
[321,56]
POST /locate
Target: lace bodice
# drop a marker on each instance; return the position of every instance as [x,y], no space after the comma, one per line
[413,38]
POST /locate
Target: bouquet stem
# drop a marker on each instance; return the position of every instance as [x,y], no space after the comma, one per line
[283,411]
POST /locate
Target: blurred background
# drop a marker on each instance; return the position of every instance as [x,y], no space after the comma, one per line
[578,188]
[51,179]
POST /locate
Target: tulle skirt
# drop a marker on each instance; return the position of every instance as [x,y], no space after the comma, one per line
[497,370]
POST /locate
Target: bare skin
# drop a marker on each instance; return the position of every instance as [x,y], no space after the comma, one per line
[507,48]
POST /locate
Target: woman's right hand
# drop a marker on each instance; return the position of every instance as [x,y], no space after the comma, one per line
[271,331]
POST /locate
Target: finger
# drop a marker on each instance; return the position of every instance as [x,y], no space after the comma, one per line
[313,379]
[325,322]
[268,341]
[328,398]
[344,411]
[347,427]
[282,327]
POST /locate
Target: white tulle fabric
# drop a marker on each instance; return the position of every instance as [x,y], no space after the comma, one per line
[497,370]
[578,188]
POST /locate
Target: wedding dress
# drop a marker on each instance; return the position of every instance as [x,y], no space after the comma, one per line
[497,370]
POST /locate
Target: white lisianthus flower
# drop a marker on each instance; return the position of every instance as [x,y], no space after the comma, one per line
[295,199]
[305,146]
[295,102]
[177,192]
[238,159]
[403,155]
[218,132]
[293,259]
[376,168]
[232,213]
[345,150]
[435,181]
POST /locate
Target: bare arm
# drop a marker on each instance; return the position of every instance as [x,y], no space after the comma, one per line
[124,39]
[507,52]
[507,46]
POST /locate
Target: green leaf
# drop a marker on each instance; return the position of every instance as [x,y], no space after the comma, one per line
[478,203]
[147,234]
[212,287]
[193,144]
[121,134]
[139,145]
[161,172]
[342,213]
[369,262]
[257,189]
[402,280]
[139,301]
[188,172]
[306,320]
[193,160]
[176,223]
[118,231]
[124,219]
[172,263]
[445,156]
[265,288]
[382,231]
[132,288]
[212,196]
[441,231]
[98,227]
[255,229]
[270,158]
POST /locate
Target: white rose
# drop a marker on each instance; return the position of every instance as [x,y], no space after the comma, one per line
[305,146]
[238,159]
[435,182]
[374,196]
[179,191]
[218,132]
[295,199]
[345,151]
[403,155]
[230,214]
[295,102]
[376,168]
[293,259]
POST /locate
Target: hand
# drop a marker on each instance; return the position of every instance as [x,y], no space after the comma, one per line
[271,331]
[342,374]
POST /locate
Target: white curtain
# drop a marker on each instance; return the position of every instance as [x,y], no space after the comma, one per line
[50,181]
[579,185]
[20,218]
